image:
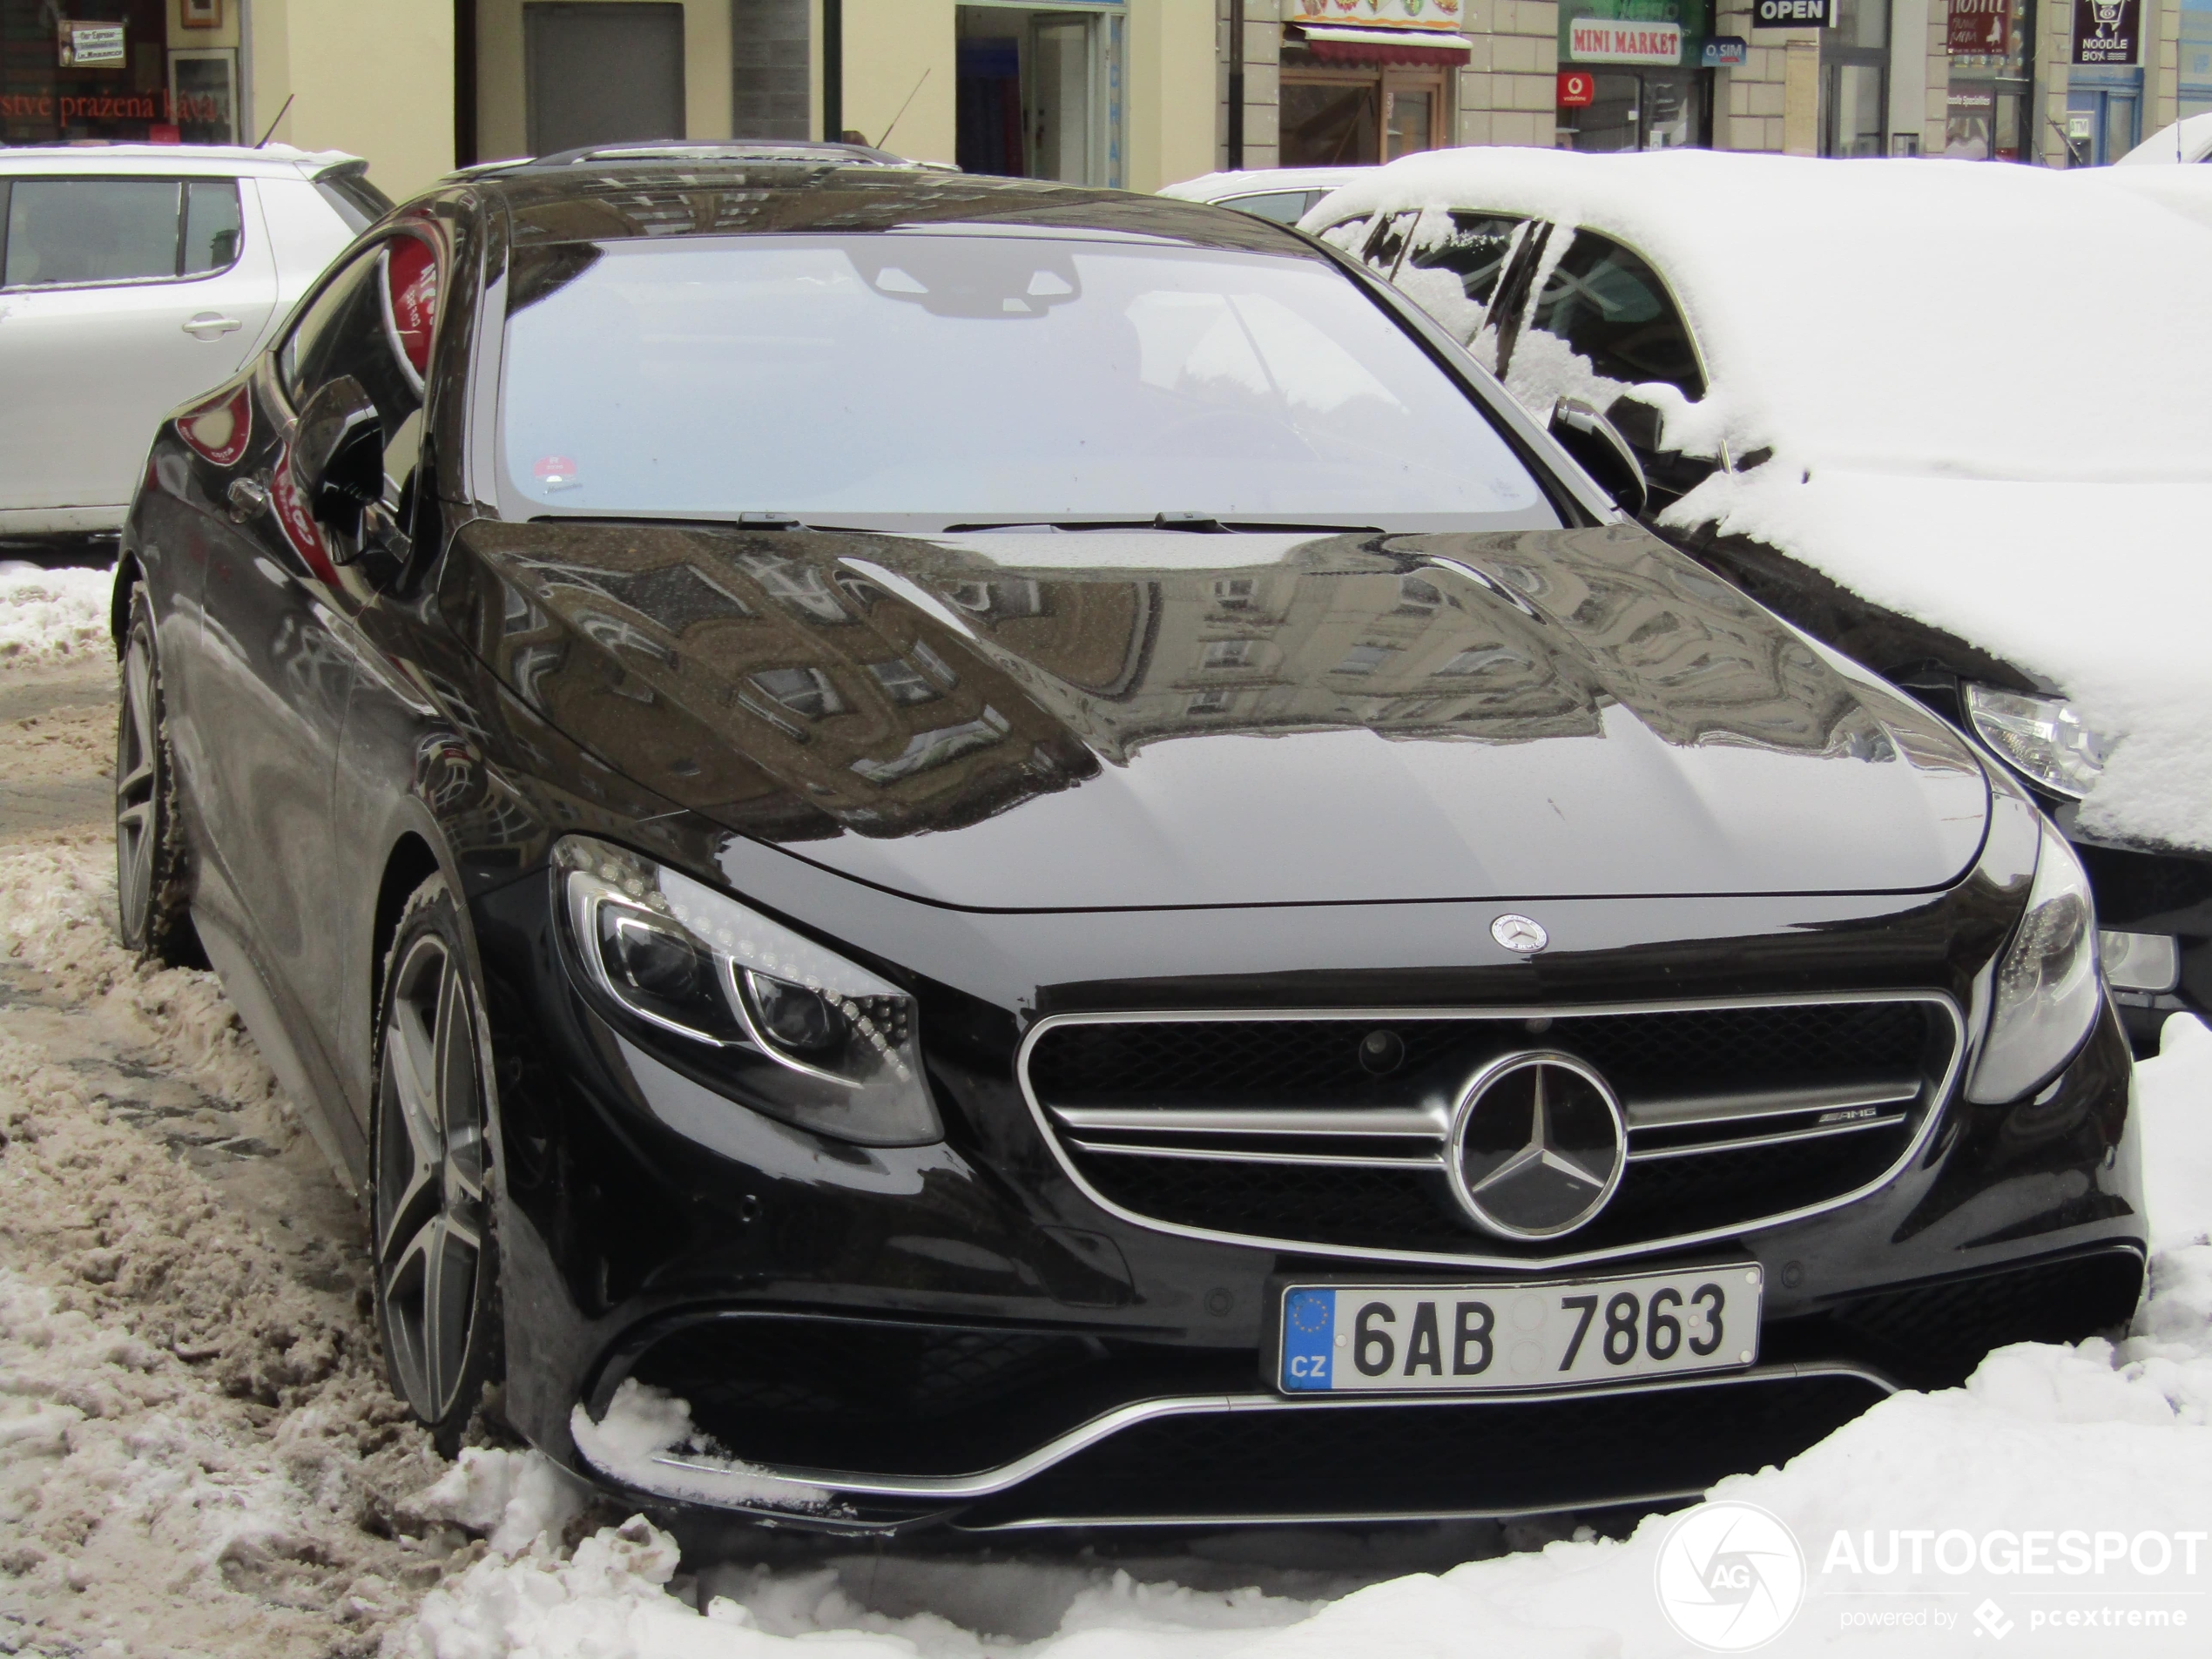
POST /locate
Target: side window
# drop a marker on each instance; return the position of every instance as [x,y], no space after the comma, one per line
[1283,206]
[1387,242]
[69,231]
[1605,303]
[373,321]
[1473,247]
[1346,235]
[211,227]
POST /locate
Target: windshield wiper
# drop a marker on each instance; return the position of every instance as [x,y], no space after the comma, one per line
[1189,523]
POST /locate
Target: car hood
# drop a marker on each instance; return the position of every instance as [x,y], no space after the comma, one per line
[1039,720]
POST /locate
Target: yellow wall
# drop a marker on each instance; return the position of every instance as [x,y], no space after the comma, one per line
[501,126]
[1169,92]
[888,46]
[385,93]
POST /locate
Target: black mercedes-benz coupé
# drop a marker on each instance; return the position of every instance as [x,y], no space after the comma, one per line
[1027,844]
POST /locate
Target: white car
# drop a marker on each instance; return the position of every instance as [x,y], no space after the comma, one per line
[2181,141]
[1950,419]
[1283,194]
[132,277]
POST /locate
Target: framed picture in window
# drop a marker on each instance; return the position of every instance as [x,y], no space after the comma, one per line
[203,95]
[201,14]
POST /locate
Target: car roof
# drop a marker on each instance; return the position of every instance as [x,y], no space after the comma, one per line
[233,160]
[595,201]
[1259,181]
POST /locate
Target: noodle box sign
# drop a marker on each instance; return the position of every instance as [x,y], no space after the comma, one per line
[91,45]
[2105,31]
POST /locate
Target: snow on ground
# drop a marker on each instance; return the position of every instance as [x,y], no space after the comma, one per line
[2034,480]
[53,615]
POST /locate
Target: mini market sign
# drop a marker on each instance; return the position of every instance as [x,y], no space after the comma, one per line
[1656,33]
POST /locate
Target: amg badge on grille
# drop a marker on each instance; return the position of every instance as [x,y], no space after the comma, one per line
[1538,1145]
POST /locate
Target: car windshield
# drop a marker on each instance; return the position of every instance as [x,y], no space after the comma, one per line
[912,381]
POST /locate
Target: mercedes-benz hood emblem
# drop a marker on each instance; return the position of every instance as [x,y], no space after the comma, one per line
[1538,1145]
[1523,934]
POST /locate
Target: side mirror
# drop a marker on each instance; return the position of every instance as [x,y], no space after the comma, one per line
[1603,452]
[338,458]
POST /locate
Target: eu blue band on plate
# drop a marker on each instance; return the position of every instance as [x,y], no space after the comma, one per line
[1309,1339]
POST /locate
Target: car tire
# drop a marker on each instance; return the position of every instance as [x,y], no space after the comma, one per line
[151,890]
[434,1251]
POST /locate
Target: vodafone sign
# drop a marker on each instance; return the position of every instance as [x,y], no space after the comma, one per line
[1601,40]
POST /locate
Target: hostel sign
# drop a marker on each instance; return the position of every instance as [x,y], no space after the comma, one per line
[1979,29]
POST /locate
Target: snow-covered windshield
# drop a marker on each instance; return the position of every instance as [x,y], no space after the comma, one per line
[949,379]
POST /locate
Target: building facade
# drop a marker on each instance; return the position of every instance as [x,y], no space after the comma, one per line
[2059,82]
[1112,92]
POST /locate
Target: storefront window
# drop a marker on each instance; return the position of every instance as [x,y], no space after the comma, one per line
[134,72]
[2197,58]
[1991,45]
[1356,89]
[1643,90]
[1855,67]
[1034,96]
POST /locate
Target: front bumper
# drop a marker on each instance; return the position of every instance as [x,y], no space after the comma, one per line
[957,1333]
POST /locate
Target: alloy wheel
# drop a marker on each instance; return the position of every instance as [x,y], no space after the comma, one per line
[432,1208]
[138,792]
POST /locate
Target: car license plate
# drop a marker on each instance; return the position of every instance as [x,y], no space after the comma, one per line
[1487,1338]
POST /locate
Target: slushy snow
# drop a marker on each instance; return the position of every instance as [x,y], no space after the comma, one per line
[53,617]
[2029,468]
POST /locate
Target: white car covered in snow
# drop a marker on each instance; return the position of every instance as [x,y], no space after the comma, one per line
[1955,420]
[131,278]
[2177,141]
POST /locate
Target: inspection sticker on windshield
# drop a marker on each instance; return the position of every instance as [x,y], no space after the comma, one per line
[1489,1339]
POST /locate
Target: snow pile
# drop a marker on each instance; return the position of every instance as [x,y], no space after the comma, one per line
[647,1439]
[2029,469]
[195,1443]
[53,615]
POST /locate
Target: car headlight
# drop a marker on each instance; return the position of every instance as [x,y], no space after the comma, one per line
[2042,736]
[781,1024]
[2047,989]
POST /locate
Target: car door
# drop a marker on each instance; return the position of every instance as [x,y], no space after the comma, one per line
[120,298]
[1602,303]
[281,653]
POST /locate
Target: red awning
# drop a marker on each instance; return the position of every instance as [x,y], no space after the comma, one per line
[1333,45]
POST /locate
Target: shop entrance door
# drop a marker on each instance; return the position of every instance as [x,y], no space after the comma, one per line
[1652,109]
[602,73]
[2114,116]
[1029,98]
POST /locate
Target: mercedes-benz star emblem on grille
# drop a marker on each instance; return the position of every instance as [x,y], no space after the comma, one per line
[1523,934]
[1538,1145]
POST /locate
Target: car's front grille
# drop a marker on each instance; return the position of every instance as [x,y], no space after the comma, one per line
[1332,1130]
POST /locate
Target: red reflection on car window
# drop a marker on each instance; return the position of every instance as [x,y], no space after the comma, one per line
[411,271]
